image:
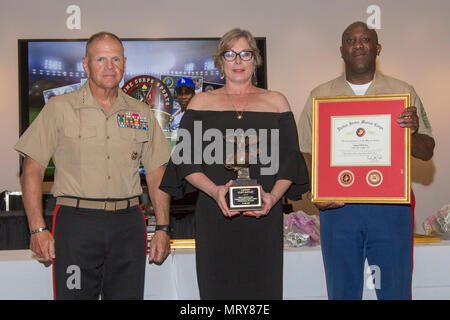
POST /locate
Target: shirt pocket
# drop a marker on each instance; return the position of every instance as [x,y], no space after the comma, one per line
[78,144]
[136,140]
[75,132]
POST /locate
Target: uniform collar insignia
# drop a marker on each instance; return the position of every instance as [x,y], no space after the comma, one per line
[86,100]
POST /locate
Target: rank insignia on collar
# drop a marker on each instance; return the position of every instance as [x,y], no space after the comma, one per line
[132,120]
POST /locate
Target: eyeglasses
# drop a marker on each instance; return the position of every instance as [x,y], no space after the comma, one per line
[231,55]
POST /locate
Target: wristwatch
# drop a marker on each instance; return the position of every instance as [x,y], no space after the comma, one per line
[162,227]
[38,230]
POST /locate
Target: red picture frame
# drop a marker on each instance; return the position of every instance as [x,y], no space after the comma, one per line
[360,154]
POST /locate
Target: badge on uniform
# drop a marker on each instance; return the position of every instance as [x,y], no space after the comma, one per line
[132,120]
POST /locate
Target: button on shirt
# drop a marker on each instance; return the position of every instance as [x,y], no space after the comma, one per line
[96,153]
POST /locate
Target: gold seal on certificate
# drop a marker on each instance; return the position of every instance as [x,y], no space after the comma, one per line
[374,178]
[346,178]
[245,193]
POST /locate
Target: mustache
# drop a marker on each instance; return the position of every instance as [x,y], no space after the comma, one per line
[357,53]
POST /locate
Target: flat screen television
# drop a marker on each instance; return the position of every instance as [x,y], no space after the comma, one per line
[54,66]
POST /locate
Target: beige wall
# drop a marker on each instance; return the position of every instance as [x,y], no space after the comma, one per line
[302,51]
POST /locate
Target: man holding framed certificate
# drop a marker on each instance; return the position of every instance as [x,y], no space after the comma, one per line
[349,133]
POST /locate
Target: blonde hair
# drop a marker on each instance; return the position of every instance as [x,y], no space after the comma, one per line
[227,41]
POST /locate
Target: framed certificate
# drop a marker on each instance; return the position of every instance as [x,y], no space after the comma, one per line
[360,154]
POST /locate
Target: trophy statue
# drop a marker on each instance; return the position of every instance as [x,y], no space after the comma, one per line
[245,193]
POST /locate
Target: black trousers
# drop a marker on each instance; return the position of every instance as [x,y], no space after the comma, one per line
[99,253]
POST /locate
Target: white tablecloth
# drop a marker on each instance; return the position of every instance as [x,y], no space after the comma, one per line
[22,277]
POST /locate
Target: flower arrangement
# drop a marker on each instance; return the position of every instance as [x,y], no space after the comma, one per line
[301,229]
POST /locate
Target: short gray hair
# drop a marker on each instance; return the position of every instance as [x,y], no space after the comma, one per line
[99,36]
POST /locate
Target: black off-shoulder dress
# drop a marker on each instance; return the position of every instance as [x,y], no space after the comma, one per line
[239,257]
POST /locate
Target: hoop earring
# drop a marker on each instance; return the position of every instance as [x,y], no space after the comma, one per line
[222,75]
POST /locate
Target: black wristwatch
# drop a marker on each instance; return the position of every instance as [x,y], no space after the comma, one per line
[162,227]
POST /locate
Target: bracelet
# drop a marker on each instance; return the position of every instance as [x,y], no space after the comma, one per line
[38,230]
[162,227]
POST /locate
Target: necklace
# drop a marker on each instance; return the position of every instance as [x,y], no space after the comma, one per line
[239,114]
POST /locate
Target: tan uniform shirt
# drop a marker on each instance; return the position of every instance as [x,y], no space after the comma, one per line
[381,84]
[96,154]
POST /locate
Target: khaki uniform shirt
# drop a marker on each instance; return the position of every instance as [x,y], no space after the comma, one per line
[95,153]
[381,84]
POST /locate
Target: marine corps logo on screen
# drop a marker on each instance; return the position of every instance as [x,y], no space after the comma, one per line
[153,92]
[168,81]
